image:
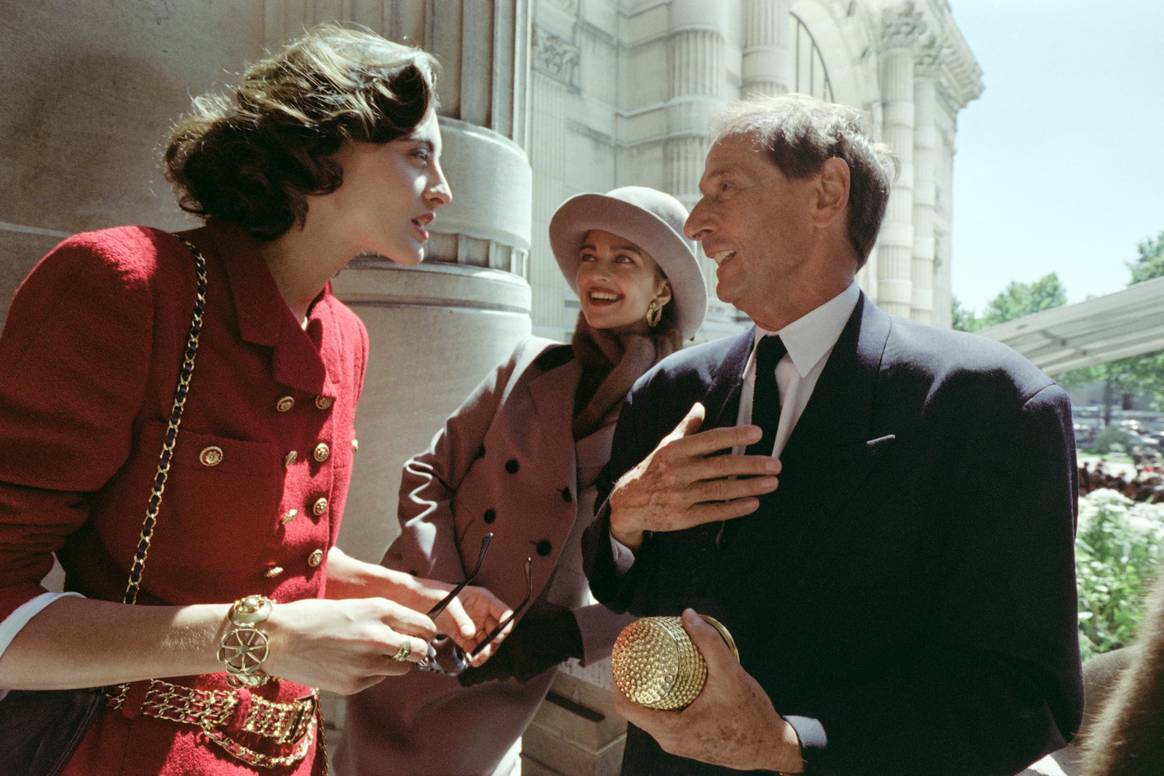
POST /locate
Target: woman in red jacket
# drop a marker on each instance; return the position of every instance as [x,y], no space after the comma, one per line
[327,150]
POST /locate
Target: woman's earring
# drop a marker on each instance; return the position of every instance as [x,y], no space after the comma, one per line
[654,314]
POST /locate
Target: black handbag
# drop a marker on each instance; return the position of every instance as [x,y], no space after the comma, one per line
[40,729]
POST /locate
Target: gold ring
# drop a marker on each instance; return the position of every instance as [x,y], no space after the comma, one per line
[402,653]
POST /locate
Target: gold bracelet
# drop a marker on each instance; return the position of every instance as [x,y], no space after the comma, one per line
[245,647]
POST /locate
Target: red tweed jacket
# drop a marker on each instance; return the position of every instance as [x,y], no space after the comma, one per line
[88,364]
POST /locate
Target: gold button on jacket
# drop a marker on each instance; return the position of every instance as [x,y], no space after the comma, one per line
[323,402]
[321,452]
[290,459]
[284,404]
[315,558]
[210,456]
[319,508]
[289,515]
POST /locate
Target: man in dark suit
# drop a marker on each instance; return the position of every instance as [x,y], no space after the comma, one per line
[903,595]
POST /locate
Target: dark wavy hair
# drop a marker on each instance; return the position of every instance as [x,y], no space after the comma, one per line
[253,158]
[800,132]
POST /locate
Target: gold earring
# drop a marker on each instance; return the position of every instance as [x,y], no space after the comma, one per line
[654,314]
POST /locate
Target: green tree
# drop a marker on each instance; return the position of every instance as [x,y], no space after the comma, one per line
[1150,263]
[963,318]
[1138,374]
[1019,299]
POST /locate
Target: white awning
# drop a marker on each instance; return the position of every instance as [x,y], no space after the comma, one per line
[1107,328]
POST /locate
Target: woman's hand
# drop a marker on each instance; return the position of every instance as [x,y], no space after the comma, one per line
[467,619]
[344,646]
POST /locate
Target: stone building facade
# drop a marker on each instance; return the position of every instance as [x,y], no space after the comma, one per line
[540,99]
[623,92]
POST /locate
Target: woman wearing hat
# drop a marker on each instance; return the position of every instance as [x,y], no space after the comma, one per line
[518,460]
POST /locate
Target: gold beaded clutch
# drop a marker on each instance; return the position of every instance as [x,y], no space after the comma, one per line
[656,664]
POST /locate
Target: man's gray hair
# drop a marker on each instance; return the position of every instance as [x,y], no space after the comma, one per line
[801,132]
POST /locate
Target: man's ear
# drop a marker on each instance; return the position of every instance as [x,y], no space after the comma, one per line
[832,191]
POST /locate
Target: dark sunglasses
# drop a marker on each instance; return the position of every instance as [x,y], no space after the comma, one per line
[444,656]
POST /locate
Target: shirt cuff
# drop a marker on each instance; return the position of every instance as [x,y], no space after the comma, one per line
[20,616]
[813,739]
[623,556]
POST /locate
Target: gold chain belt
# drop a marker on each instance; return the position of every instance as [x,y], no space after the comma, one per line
[286,724]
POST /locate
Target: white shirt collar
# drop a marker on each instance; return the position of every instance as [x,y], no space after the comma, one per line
[811,336]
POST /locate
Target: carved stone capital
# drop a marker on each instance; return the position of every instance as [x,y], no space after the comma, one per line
[928,56]
[902,27]
[555,57]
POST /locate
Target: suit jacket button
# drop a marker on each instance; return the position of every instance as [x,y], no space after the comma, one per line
[315,558]
[285,404]
[490,515]
[273,572]
[210,456]
[290,459]
[512,466]
[289,515]
[567,496]
[319,508]
[323,402]
[544,547]
[321,452]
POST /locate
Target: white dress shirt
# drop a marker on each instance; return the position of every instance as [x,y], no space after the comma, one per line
[809,340]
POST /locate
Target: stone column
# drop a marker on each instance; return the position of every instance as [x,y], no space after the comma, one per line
[436,330]
[769,65]
[925,142]
[696,48]
[901,28]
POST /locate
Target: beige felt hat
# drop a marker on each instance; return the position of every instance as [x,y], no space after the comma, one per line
[651,220]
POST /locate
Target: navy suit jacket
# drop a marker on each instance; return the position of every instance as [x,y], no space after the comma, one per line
[907,596]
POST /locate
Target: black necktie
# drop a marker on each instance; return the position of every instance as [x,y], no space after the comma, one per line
[766,396]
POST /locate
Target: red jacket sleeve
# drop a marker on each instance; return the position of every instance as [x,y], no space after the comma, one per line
[74,359]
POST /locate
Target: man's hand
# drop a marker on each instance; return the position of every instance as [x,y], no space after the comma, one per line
[684,482]
[732,723]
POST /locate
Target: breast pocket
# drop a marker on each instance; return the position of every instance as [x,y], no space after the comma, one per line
[220,505]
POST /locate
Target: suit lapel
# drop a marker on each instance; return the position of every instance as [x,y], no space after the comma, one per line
[722,401]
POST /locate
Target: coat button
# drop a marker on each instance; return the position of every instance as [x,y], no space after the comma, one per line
[315,558]
[544,547]
[289,515]
[210,456]
[323,402]
[319,508]
[289,459]
[273,572]
[512,466]
[321,452]
[567,496]
[490,515]
[285,403]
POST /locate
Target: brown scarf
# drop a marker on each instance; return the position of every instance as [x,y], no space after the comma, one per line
[610,365]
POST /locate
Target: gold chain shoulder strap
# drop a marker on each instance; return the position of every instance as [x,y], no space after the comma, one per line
[185,372]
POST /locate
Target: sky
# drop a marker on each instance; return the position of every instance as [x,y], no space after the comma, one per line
[1060,162]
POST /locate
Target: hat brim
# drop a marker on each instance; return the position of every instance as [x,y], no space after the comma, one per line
[585,212]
